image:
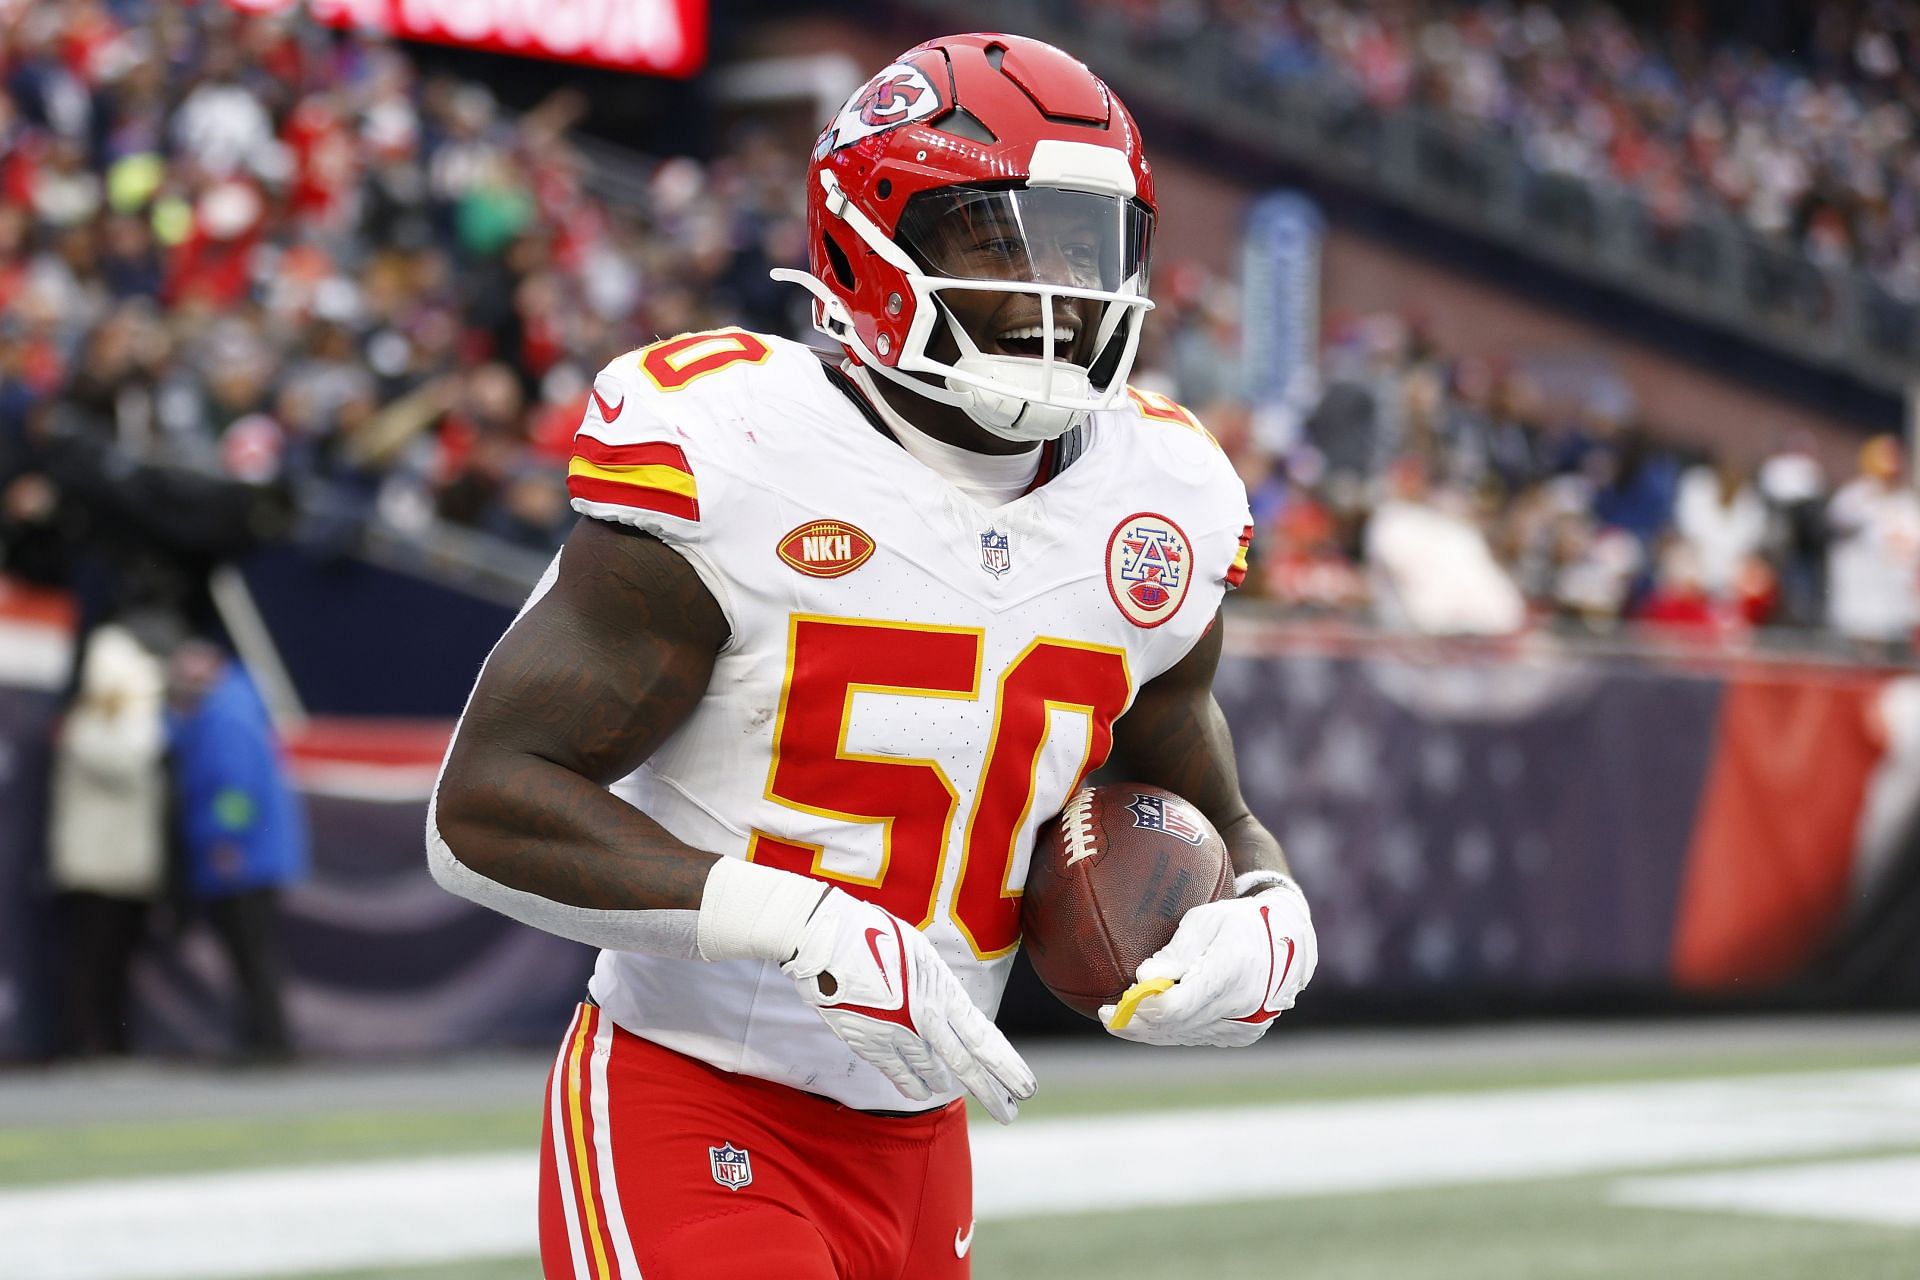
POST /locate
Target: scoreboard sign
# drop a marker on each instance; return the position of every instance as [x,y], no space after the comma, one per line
[657,37]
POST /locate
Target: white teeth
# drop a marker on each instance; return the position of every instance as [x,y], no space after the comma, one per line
[1035,331]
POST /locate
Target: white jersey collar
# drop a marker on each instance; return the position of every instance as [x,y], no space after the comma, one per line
[990,479]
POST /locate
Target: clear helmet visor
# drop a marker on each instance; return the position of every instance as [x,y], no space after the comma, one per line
[1030,235]
[1042,288]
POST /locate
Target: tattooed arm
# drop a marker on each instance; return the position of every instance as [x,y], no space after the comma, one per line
[579,693]
[1175,737]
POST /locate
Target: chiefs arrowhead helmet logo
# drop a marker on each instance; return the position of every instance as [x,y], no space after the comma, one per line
[899,94]
[888,101]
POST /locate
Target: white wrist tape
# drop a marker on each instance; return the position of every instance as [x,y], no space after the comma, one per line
[1257,881]
[751,912]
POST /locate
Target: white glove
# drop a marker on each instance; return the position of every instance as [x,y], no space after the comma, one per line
[876,980]
[883,989]
[1235,965]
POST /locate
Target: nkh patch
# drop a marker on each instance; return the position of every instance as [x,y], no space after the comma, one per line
[1153,813]
[825,548]
[732,1167]
[996,554]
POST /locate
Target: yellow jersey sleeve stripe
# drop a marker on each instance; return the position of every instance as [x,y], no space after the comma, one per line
[651,476]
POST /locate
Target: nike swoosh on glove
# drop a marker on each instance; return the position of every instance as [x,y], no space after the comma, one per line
[897,1004]
[1236,965]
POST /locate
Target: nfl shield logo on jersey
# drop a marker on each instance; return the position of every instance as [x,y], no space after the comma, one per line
[732,1167]
[996,556]
[1153,813]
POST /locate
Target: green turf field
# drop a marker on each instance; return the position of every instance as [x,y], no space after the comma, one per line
[1555,1224]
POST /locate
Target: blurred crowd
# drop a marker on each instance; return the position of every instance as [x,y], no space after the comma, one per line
[251,268]
[1463,496]
[247,248]
[1813,142]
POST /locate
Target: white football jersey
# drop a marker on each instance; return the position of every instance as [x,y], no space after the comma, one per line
[914,683]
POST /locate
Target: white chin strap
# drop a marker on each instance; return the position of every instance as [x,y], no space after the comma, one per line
[994,391]
[1008,414]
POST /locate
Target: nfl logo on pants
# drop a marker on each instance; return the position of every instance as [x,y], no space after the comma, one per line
[732,1167]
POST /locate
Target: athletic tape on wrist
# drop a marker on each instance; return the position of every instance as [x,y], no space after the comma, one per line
[1258,881]
[751,912]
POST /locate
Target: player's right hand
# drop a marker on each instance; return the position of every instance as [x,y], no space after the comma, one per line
[884,990]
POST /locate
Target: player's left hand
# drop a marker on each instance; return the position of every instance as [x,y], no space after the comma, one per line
[1235,965]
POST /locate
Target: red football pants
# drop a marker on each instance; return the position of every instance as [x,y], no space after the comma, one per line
[656,1167]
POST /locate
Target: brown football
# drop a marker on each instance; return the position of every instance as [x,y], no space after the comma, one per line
[1111,877]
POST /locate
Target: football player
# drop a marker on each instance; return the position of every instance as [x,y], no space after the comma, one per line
[778,725]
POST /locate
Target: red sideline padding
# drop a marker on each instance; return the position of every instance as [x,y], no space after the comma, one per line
[370,741]
[1773,845]
[22,602]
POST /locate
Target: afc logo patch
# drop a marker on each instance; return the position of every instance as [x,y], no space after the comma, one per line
[732,1167]
[996,553]
[1153,813]
[1149,567]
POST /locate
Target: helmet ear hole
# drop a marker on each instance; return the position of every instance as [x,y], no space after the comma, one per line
[837,259]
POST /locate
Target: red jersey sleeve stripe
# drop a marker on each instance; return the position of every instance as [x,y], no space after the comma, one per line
[651,453]
[640,497]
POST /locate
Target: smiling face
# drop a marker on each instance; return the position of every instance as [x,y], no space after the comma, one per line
[992,245]
[1050,238]
[1028,301]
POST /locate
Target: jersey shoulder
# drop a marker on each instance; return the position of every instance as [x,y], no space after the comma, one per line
[1168,434]
[708,381]
[1167,441]
[663,424]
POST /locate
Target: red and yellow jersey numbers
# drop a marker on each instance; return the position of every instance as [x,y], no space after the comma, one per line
[1158,408]
[678,362]
[832,659]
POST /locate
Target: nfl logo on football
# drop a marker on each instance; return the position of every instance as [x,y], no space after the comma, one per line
[732,1167]
[996,557]
[1153,813]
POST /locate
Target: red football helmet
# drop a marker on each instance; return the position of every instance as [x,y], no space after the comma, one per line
[984,164]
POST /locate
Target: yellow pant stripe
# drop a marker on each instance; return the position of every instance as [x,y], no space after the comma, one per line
[582,1166]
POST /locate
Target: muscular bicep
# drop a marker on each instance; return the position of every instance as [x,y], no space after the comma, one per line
[584,686]
[1175,736]
[606,665]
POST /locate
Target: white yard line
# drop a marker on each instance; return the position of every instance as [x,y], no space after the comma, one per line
[1883,1192]
[1432,1140]
[268,1222]
[271,1222]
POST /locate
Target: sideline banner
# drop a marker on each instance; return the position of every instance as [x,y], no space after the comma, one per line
[1472,826]
[1280,312]
[656,37]
[26,734]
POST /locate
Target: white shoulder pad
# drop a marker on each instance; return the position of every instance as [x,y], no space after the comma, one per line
[1224,521]
[653,447]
